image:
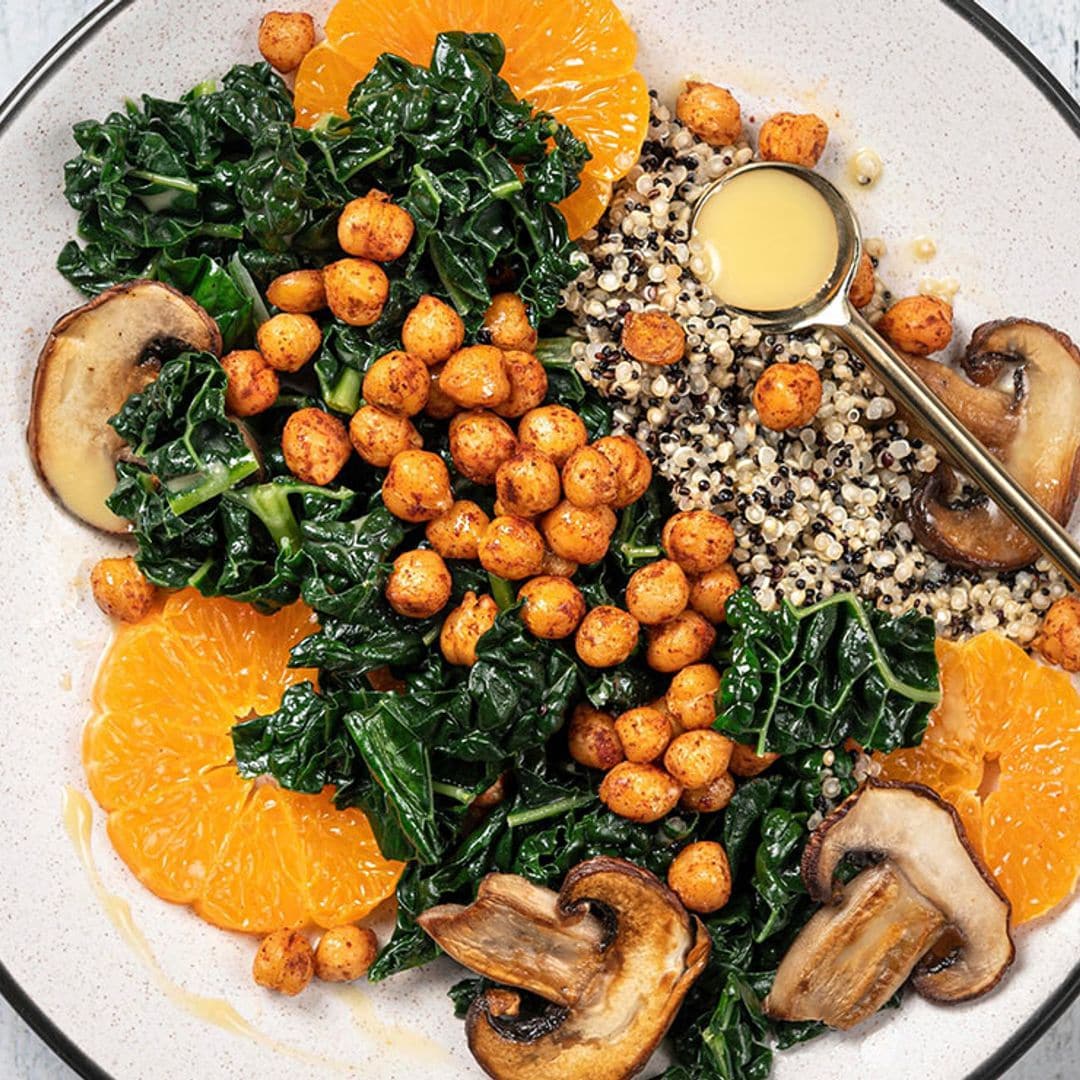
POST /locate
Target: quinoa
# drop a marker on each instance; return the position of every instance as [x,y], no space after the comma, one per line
[816,510]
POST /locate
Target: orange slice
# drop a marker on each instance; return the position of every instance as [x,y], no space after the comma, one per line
[244,854]
[1004,748]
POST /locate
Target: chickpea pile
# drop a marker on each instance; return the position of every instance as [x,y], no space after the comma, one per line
[286,962]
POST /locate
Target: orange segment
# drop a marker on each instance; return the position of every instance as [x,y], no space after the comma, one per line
[323,84]
[1004,748]
[586,206]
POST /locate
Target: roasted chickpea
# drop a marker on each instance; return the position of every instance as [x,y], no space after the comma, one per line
[299,292]
[606,636]
[507,323]
[476,377]
[528,383]
[345,953]
[698,757]
[439,406]
[657,592]
[589,479]
[120,589]
[787,395]
[479,443]
[711,798]
[592,740]
[287,342]
[698,540]
[692,696]
[661,706]
[918,324]
[252,384]
[701,877]
[746,763]
[456,534]
[557,566]
[463,628]
[315,445]
[417,486]
[527,483]
[653,337]
[710,592]
[633,470]
[553,430]
[797,138]
[679,642]
[284,962]
[356,290]
[710,112]
[511,548]
[375,227]
[433,331]
[552,607]
[379,436]
[285,38]
[582,536]
[419,584]
[398,383]
[644,733]
[1059,637]
[861,290]
[639,792]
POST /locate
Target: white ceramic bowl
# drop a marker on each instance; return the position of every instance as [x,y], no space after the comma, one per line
[981,151]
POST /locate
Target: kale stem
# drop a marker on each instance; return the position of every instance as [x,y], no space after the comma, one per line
[551,809]
[451,792]
[631,552]
[185,493]
[502,591]
[270,504]
[344,396]
[175,182]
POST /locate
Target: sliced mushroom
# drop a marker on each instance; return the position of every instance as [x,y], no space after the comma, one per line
[928,909]
[94,358]
[613,954]
[1024,403]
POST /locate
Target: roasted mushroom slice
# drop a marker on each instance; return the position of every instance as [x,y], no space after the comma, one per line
[927,909]
[1023,403]
[95,357]
[613,954]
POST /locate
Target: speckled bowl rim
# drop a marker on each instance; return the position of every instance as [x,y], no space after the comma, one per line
[1036,72]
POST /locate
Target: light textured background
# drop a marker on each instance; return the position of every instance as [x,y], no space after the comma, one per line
[1051,28]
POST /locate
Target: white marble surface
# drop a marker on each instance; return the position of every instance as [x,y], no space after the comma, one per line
[1051,28]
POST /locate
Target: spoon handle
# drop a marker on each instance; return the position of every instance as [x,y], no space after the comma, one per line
[985,469]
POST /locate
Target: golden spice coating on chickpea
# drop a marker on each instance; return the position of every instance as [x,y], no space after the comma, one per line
[644,733]
[345,953]
[476,377]
[356,290]
[861,290]
[661,706]
[511,548]
[299,292]
[315,445]
[379,436]
[557,566]
[746,763]
[580,535]
[918,324]
[639,792]
[507,323]
[710,592]
[120,589]
[710,112]
[698,540]
[285,38]
[692,696]
[479,444]
[456,534]
[287,342]
[554,430]
[679,642]
[589,479]
[797,138]
[463,628]
[606,636]
[633,470]
[787,395]
[398,383]
[552,607]
[375,227]
[439,406]
[527,484]
[657,592]
[698,757]
[284,962]
[701,877]
[417,486]
[528,383]
[419,584]
[710,799]
[592,740]
[252,384]
[653,337]
[433,331]
[1058,639]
